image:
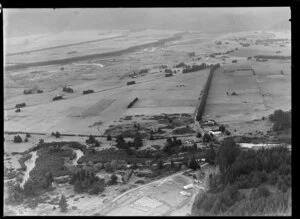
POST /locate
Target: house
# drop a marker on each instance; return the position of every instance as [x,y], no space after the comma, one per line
[189,186]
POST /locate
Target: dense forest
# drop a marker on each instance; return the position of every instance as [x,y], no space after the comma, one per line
[250,182]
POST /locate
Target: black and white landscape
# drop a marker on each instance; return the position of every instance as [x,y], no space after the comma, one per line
[147,112]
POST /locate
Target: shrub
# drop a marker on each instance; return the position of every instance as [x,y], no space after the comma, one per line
[27,135]
[26,140]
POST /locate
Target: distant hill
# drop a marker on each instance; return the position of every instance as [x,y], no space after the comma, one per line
[33,21]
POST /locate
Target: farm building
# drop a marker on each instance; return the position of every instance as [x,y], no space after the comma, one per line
[57,97]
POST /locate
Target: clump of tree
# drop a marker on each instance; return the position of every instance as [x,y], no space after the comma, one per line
[113,179]
[199,135]
[222,128]
[86,181]
[56,134]
[47,180]
[172,144]
[181,65]
[108,138]
[206,138]
[168,71]
[67,89]
[210,155]
[195,68]
[145,70]
[281,120]
[193,164]
[136,143]
[18,139]
[92,140]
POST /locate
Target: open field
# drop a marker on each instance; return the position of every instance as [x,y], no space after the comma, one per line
[257,95]
[76,114]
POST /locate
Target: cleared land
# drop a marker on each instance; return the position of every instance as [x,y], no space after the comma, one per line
[161,197]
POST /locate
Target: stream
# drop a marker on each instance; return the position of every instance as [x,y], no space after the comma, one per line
[29,166]
[79,154]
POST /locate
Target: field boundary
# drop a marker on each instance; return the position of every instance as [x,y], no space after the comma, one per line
[202,103]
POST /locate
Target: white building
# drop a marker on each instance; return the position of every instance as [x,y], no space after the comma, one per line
[189,186]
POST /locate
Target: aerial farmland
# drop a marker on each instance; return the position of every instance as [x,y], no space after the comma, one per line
[105,121]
